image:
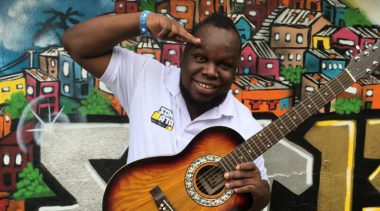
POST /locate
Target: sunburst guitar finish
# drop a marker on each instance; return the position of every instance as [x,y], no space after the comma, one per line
[177,176]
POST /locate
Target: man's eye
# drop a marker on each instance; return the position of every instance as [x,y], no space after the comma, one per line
[199,58]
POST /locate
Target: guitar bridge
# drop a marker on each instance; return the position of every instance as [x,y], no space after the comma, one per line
[161,200]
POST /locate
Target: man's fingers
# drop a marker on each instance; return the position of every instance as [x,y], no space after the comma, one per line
[187,37]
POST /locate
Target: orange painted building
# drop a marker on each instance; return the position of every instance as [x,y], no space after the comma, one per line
[184,10]
[261,95]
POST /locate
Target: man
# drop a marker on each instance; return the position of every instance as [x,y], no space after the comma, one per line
[191,98]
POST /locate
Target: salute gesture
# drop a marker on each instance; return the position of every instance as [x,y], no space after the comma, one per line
[165,28]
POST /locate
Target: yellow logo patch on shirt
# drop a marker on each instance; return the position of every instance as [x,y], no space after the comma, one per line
[164,118]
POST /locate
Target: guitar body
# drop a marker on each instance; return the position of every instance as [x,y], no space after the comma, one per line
[129,188]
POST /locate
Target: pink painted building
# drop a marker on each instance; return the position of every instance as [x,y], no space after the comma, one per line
[259,58]
[351,40]
[40,85]
[171,53]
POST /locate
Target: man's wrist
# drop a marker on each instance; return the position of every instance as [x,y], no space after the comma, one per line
[144,31]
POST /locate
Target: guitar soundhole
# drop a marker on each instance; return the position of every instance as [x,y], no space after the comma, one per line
[210,180]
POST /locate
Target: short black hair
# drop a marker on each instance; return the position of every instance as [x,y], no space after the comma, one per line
[219,20]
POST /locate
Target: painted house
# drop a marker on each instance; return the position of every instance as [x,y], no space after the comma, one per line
[184,10]
[292,34]
[334,11]
[258,57]
[5,123]
[244,27]
[11,84]
[15,158]
[208,7]
[103,89]
[323,39]
[75,81]
[368,90]
[44,89]
[49,60]
[351,40]
[258,10]
[171,53]
[261,95]
[312,82]
[126,6]
[329,62]
[148,47]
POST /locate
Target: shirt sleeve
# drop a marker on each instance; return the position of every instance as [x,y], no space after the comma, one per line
[123,72]
[261,166]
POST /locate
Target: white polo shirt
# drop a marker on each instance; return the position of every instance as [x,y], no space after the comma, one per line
[159,121]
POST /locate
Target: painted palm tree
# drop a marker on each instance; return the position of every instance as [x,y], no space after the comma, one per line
[57,22]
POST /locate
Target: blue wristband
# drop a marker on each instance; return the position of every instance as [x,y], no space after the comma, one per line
[143,27]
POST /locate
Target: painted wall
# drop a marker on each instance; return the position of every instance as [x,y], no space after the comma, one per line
[61,155]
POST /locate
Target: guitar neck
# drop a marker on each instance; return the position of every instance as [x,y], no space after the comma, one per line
[278,129]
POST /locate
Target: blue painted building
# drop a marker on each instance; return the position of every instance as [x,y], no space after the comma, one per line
[244,27]
[76,82]
[334,11]
[328,62]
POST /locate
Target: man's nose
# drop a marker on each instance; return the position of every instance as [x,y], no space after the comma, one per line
[211,70]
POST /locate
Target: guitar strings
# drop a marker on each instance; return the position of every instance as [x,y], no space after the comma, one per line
[214,170]
[345,83]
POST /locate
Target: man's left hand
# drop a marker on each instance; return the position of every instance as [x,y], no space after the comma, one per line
[247,179]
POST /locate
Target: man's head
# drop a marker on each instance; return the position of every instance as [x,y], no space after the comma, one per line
[208,69]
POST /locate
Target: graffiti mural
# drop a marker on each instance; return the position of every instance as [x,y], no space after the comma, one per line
[63,134]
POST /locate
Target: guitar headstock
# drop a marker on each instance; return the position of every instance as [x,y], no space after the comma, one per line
[363,64]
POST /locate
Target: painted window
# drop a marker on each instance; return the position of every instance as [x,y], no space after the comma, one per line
[181,8]
[249,58]
[47,89]
[167,63]
[242,58]
[287,37]
[299,39]
[52,63]
[282,57]
[277,36]
[172,52]
[66,69]
[66,88]
[269,65]
[309,89]
[346,42]
[324,65]
[84,73]
[29,90]
[298,57]
[5,89]
[252,13]
[369,93]
[7,119]
[340,66]
[18,159]
[335,66]
[19,86]
[290,57]
[6,159]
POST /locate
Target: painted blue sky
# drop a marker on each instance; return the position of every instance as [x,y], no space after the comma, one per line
[19,22]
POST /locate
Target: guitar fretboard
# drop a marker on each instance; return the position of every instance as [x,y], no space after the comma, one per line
[278,129]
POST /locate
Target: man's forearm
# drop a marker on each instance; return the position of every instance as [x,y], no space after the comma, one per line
[98,35]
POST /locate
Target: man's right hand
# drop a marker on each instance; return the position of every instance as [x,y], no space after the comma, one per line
[165,28]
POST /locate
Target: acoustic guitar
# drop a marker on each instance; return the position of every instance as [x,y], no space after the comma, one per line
[193,179]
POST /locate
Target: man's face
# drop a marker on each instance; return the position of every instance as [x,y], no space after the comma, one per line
[208,69]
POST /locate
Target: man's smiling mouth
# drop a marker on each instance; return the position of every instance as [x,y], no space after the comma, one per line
[205,85]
